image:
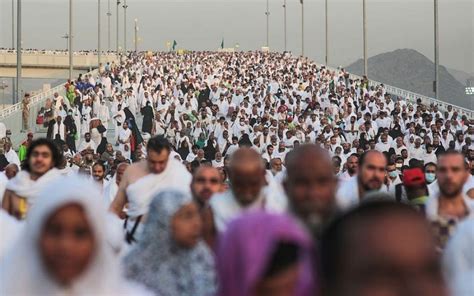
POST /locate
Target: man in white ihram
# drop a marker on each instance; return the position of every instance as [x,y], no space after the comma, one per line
[143,180]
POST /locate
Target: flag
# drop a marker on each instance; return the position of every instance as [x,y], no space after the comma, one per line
[222,43]
[174,44]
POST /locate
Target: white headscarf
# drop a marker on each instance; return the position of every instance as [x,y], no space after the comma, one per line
[22,271]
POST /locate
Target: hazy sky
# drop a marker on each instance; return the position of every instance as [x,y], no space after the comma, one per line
[201,24]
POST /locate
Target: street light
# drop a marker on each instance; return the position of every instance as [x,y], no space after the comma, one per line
[13,47]
[70,41]
[284,21]
[117,28]
[364,14]
[436,50]
[302,28]
[267,13]
[125,26]
[109,14]
[136,35]
[327,32]
[18,52]
[99,49]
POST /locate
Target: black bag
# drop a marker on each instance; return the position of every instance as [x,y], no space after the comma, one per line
[101,129]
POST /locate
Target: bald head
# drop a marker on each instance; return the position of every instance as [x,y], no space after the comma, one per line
[310,183]
[11,170]
[247,175]
[305,155]
[121,167]
[245,158]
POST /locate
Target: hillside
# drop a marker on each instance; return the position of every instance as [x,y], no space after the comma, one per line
[410,70]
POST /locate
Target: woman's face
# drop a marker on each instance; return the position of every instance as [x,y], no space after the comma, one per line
[186,225]
[67,243]
[281,284]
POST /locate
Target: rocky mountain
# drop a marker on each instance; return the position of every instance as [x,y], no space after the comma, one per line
[461,76]
[408,69]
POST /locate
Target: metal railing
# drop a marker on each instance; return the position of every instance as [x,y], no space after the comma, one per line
[12,116]
[413,97]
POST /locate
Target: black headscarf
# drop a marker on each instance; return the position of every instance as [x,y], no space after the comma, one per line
[132,125]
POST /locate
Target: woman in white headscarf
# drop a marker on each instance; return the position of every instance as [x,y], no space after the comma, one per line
[171,259]
[64,248]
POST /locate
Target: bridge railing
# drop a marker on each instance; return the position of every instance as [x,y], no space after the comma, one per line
[413,97]
[12,116]
[54,59]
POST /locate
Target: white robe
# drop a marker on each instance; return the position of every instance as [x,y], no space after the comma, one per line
[22,185]
[110,191]
[12,157]
[59,129]
[124,135]
[141,192]
[226,208]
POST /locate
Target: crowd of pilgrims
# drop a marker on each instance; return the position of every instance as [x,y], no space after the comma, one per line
[244,173]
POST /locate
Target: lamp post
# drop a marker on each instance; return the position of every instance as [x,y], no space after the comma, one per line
[267,13]
[13,47]
[99,49]
[117,28]
[125,26]
[302,27]
[109,14]
[284,21]
[364,14]
[136,35]
[18,52]
[327,32]
[70,41]
[436,50]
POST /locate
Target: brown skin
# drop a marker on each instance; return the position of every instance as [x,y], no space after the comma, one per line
[120,171]
[41,161]
[11,170]
[206,182]
[98,173]
[310,184]
[372,172]
[352,164]
[403,263]
[470,193]
[67,244]
[154,164]
[157,161]
[282,284]
[247,180]
[186,226]
[452,173]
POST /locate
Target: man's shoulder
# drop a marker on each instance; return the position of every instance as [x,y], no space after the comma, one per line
[219,198]
[137,167]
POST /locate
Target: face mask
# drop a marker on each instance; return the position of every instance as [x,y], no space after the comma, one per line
[430,177]
[398,165]
[393,174]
